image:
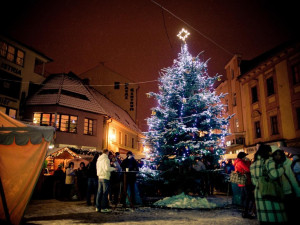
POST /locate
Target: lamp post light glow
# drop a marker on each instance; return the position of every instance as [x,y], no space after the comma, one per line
[183,34]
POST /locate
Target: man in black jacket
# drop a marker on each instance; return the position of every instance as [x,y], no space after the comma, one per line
[130,166]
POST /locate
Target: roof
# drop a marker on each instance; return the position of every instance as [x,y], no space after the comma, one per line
[248,65]
[114,111]
[70,91]
[66,90]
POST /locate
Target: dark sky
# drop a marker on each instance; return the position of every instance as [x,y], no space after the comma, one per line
[136,38]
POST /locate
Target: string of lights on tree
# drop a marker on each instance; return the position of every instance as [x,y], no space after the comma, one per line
[188,119]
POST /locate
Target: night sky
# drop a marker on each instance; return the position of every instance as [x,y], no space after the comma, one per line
[137,38]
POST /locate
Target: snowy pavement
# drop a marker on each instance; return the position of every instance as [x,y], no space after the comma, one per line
[76,212]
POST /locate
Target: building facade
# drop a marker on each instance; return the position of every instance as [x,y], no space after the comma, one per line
[21,69]
[83,118]
[115,87]
[264,99]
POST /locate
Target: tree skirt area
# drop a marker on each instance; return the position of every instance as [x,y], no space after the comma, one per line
[183,201]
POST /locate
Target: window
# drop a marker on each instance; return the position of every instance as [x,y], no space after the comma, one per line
[132,142]
[117,85]
[254,94]
[232,73]
[64,123]
[296,73]
[3,49]
[298,117]
[20,58]
[88,126]
[274,125]
[234,99]
[237,123]
[120,137]
[12,53]
[46,119]
[257,129]
[39,66]
[270,86]
[125,140]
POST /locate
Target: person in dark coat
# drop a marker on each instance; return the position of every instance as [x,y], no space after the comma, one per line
[59,182]
[92,187]
[130,166]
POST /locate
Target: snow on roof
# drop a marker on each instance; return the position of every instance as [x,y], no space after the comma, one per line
[115,111]
[69,90]
[66,90]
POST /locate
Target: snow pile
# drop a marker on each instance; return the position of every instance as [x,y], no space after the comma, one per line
[183,201]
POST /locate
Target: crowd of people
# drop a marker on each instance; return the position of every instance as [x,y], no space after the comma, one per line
[268,170]
[102,180]
[99,182]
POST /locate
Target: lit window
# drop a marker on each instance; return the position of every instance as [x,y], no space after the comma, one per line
[73,124]
[45,119]
[12,113]
[88,126]
[3,49]
[37,118]
[20,58]
[11,53]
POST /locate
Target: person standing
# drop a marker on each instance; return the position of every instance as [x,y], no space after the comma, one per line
[82,181]
[103,172]
[269,211]
[289,184]
[296,167]
[242,166]
[70,181]
[92,187]
[130,166]
[59,181]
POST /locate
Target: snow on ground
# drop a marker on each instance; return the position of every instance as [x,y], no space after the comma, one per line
[46,212]
[183,201]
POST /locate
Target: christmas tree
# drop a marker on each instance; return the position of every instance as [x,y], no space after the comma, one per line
[188,119]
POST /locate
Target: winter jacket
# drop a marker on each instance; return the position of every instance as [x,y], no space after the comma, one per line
[103,167]
[288,180]
[267,211]
[243,167]
[296,167]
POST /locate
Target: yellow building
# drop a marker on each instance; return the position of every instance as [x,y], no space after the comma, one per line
[264,99]
[270,93]
[21,69]
[114,86]
[235,141]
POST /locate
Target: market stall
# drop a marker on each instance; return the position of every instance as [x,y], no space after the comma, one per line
[23,149]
